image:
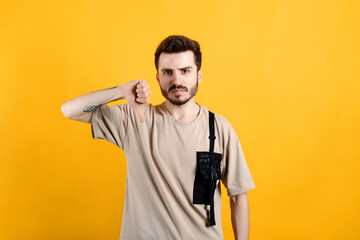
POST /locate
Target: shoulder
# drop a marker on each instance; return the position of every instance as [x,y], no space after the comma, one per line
[220,120]
[115,109]
[225,128]
[126,108]
[224,125]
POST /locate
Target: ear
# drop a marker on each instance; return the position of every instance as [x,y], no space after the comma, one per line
[157,77]
[199,76]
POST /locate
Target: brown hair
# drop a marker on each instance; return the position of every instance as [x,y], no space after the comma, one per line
[176,44]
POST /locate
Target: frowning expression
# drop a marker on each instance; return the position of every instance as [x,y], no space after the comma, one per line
[178,76]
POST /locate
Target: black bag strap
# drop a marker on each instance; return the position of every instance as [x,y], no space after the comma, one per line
[212,169]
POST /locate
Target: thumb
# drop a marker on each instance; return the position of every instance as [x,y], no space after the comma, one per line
[140,113]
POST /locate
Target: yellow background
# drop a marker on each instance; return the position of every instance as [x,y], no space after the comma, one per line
[284,73]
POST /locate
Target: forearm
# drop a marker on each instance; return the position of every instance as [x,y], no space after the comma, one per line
[81,106]
[240,216]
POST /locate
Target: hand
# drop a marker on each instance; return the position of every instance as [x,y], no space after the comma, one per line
[137,92]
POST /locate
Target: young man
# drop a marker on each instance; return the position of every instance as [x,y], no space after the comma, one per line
[176,151]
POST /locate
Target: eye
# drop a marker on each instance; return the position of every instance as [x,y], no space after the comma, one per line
[186,71]
[168,72]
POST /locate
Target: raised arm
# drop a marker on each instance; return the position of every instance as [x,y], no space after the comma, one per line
[136,92]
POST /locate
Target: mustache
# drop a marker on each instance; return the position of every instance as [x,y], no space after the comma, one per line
[173,87]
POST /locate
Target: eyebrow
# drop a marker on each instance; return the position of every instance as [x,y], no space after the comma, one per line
[169,69]
[184,68]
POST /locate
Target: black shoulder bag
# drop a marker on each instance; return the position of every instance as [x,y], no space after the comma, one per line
[207,173]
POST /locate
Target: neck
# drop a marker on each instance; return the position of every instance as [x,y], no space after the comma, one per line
[187,112]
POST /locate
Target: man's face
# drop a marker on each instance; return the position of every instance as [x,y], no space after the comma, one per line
[178,76]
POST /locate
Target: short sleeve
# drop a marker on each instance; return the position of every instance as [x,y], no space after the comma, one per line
[109,123]
[237,178]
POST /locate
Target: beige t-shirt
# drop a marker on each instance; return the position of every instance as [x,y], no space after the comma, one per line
[161,166]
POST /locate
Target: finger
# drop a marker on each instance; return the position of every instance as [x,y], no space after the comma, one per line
[142,100]
[141,83]
[143,95]
[145,84]
[142,90]
[140,113]
[140,86]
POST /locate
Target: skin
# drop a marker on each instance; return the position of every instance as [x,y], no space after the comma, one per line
[136,92]
[178,78]
[240,216]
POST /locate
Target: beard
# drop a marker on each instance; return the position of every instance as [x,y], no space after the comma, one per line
[176,99]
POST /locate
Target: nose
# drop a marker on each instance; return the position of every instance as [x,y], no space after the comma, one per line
[176,78]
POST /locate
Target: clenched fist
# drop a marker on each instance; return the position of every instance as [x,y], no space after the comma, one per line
[137,92]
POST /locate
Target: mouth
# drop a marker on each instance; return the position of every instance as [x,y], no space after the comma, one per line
[177,89]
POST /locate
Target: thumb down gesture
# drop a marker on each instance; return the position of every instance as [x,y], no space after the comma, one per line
[137,92]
